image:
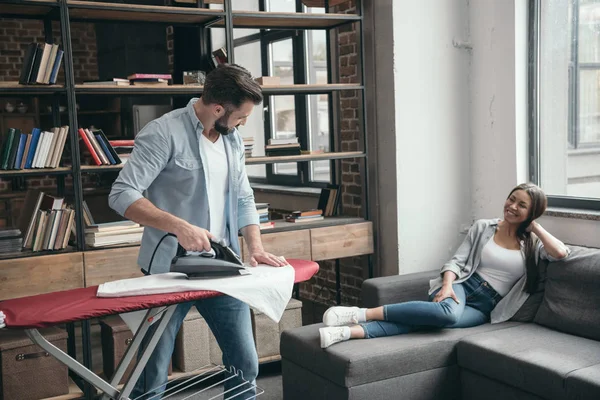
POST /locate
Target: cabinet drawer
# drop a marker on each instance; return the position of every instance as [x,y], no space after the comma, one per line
[288,244]
[341,241]
[37,275]
[110,265]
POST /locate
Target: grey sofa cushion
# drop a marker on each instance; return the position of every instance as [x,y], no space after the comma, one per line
[474,385]
[530,357]
[531,306]
[584,384]
[571,296]
[357,362]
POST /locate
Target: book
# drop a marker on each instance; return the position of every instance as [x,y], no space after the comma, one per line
[35,138]
[56,68]
[113,81]
[119,143]
[307,213]
[50,64]
[28,62]
[96,147]
[20,150]
[46,49]
[26,151]
[52,147]
[149,76]
[36,64]
[13,149]
[104,148]
[111,151]
[89,146]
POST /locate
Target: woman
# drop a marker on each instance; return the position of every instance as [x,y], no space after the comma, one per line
[488,279]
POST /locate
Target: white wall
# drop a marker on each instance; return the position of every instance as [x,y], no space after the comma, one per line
[431,83]
[498,102]
[461,124]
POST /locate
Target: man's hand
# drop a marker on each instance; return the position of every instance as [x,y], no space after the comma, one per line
[262,257]
[193,238]
[445,292]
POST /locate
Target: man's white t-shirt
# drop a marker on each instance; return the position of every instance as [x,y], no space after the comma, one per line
[217,184]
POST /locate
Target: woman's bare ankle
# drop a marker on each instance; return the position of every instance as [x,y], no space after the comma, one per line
[374,314]
[357,332]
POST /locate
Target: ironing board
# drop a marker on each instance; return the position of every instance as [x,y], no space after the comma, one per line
[50,309]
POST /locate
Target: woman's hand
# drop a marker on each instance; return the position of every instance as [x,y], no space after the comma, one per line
[533,226]
[445,292]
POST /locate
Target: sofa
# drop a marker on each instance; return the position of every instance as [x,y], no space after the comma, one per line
[549,350]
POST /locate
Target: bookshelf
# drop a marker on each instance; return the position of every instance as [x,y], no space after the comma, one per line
[67,11]
[74,259]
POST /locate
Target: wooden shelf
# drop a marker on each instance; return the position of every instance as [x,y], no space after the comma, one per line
[88,112]
[16,88]
[27,8]
[74,393]
[304,157]
[34,171]
[284,226]
[29,253]
[92,11]
[196,90]
[251,160]
[288,20]
[101,168]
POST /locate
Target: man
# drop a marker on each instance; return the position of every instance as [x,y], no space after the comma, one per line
[190,164]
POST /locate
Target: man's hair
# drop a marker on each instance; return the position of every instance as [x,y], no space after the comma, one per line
[231,85]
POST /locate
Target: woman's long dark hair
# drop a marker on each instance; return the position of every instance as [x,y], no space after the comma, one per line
[538,206]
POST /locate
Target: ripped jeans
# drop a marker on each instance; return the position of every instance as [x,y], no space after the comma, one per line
[477,300]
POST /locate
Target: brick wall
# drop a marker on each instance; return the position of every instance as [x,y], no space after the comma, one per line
[15,36]
[352,270]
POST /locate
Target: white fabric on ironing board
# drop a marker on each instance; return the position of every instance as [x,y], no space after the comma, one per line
[266,289]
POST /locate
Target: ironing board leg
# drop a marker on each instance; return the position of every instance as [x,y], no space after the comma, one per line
[71,363]
[139,367]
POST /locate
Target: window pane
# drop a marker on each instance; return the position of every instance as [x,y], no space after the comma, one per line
[248,56]
[281,5]
[318,105]
[283,108]
[569,111]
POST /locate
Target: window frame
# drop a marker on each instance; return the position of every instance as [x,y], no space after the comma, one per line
[299,48]
[534,40]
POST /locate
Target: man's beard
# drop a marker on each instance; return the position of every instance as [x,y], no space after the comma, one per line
[221,125]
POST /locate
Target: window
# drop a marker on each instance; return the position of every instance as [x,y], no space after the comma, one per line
[565,99]
[295,57]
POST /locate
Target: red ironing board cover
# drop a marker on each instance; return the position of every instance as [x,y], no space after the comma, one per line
[56,308]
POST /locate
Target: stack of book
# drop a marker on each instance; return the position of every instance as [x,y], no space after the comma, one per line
[263,214]
[113,233]
[248,146]
[41,64]
[219,56]
[113,81]
[51,222]
[38,149]
[10,240]
[283,147]
[99,147]
[329,199]
[150,79]
[305,216]
[123,148]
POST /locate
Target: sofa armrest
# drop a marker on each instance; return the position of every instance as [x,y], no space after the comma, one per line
[395,289]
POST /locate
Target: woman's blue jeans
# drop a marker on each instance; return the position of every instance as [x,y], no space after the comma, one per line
[477,300]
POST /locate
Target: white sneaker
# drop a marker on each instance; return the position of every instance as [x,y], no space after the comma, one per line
[332,335]
[338,316]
